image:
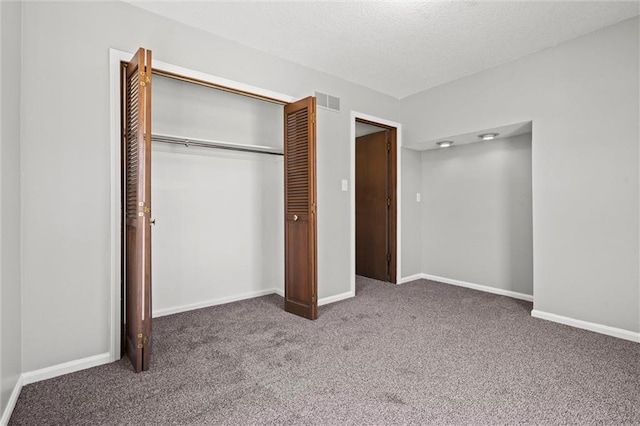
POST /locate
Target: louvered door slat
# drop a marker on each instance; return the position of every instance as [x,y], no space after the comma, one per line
[300,207]
[131,141]
[137,187]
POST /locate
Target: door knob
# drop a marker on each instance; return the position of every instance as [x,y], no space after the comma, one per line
[295,217]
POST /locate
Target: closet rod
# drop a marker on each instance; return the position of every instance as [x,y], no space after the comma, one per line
[176,140]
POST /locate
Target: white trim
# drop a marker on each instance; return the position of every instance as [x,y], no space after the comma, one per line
[11,404]
[326,300]
[585,325]
[65,368]
[410,278]
[352,178]
[209,78]
[336,298]
[115,57]
[486,289]
[212,302]
[352,205]
[591,326]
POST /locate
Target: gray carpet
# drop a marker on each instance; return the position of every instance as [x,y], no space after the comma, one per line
[419,353]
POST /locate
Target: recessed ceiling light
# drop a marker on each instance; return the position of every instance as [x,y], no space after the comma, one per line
[444,144]
[488,136]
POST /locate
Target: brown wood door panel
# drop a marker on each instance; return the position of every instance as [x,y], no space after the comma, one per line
[133,321]
[136,135]
[300,258]
[298,296]
[372,207]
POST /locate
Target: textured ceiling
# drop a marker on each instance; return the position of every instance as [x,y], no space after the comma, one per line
[398,48]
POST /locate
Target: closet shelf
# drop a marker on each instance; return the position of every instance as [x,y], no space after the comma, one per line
[178,140]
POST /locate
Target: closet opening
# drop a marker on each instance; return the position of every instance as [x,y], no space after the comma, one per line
[232,177]
[477,209]
[375,200]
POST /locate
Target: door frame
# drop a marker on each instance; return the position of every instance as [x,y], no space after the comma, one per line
[115,205]
[398,192]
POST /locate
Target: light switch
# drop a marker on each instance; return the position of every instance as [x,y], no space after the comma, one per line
[417,197]
[345,185]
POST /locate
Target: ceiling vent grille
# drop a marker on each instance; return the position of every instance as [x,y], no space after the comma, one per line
[327,101]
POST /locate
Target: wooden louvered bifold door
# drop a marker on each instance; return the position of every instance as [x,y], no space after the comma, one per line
[137,208]
[300,208]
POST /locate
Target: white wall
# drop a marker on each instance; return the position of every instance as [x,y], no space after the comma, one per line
[65,159]
[476,213]
[411,213]
[582,96]
[219,228]
[10,302]
[219,231]
[184,109]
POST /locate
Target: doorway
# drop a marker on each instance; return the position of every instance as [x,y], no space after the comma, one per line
[376,200]
[131,147]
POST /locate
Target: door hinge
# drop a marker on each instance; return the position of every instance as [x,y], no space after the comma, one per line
[388,146]
[388,202]
[313,117]
[144,79]
[143,209]
[388,257]
[142,341]
[313,298]
[313,208]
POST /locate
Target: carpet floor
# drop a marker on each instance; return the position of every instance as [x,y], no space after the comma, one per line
[418,353]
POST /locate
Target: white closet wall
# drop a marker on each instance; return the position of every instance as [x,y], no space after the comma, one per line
[477,213]
[219,214]
[185,109]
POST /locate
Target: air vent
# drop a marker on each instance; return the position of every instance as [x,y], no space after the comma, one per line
[327,101]
[334,103]
[322,99]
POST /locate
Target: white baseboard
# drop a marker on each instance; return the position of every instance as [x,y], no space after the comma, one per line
[487,289]
[336,298]
[213,302]
[11,404]
[591,326]
[223,300]
[326,300]
[65,368]
[49,373]
[410,278]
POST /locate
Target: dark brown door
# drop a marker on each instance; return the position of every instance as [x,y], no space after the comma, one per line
[300,282]
[137,208]
[373,204]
